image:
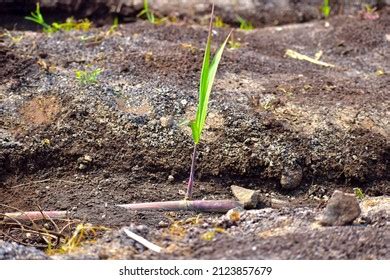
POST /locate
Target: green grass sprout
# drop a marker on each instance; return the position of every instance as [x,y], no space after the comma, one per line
[72,24]
[68,25]
[325,8]
[233,44]
[150,15]
[207,77]
[245,25]
[358,193]
[88,77]
[219,22]
[114,26]
[37,17]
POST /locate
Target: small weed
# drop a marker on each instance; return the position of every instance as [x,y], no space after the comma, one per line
[218,22]
[150,16]
[88,77]
[210,234]
[114,26]
[245,25]
[369,13]
[369,9]
[358,193]
[325,8]
[14,39]
[68,25]
[81,234]
[71,24]
[37,17]
[233,44]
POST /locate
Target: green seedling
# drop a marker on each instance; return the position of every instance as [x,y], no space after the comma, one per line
[325,8]
[358,193]
[68,25]
[14,39]
[114,26]
[37,17]
[150,16]
[219,22]
[233,44]
[245,25]
[88,77]
[72,24]
[206,82]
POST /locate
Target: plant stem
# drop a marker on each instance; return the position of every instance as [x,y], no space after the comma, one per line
[213,206]
[191,180]
[35,215]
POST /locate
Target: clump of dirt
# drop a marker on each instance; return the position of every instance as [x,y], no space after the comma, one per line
[40,110]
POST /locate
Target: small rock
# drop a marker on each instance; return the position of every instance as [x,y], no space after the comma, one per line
[341,209]
[84,162]
[248,198]
[166,121]
[291,177]
[82,166]
[163,224]
[234,215]
[87,158]
[171,178]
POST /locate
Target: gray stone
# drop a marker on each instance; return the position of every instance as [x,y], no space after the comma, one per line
[248,198]
[291,177]
[341,209]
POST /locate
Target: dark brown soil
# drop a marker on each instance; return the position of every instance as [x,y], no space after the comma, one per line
[85,148]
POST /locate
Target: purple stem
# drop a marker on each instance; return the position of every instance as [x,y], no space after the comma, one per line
[191,180]
[220,206]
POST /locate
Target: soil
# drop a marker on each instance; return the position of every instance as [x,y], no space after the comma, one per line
[291,129]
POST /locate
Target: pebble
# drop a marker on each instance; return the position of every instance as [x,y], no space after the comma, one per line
[341,209]
[171,178]
[248,198]
[291,177]
[163,224]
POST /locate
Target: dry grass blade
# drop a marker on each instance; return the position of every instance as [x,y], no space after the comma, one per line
[143,241]
[297,55]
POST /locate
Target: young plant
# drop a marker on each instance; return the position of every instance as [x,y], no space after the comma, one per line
[233,44]
[209,69]
[369,13]
[219,22]
[88,77]
[114,26]
[37,17]
[325,8]
[68,25]
[71,24]
[358,193]
[150,15]
[245,25]
[14,39]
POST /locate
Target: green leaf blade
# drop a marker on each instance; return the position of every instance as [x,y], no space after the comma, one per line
[207,77]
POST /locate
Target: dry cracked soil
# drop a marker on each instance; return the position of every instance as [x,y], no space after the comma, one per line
[291,129]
